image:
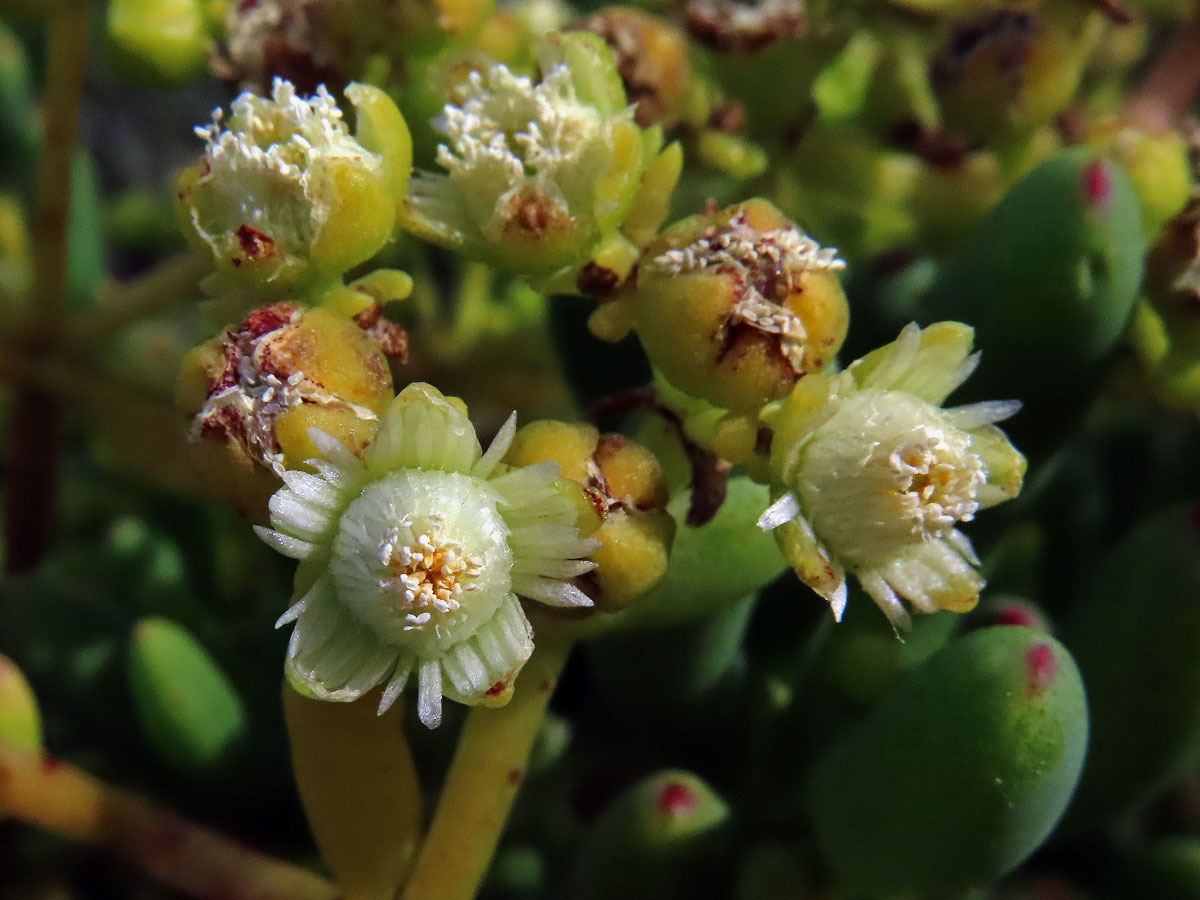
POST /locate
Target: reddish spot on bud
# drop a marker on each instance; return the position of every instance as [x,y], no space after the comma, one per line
[50,765]
[676,800]
[254,243]
[1096,184]
[1040,668]
[5,775]
[515,776]
[1018,614]
[497,688]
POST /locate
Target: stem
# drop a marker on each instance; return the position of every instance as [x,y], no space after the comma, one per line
[484,777]
[159,290]
[34,424]
[195,861]
[1169,86]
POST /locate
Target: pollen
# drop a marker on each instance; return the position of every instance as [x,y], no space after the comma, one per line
[428,573]
[937,480]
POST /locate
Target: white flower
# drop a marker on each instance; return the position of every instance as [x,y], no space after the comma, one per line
[414,557]
[873,477]
[285,191]
[534,172]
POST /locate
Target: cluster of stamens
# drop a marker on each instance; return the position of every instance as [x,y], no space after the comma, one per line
[428,574]
[505,121]
[936,482]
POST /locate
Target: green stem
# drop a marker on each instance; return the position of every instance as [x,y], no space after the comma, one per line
[484,778]
[33,426]
[161,289]
[46,793]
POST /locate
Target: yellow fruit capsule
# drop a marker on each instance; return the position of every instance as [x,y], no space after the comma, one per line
[253,392]
[623,482]
[735,306]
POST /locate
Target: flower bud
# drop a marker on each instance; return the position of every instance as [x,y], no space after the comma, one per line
[1008,72]
[285,196]
[254,392]
[734,307]
[161,42]
[652,59]
[624,485]
[536,174]
[873,476]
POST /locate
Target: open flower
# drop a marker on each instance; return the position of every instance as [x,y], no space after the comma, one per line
[285,194]
[536,173]
[414,557]
[873,477]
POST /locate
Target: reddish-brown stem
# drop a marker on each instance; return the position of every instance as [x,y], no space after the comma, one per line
[33,427]
[44,792]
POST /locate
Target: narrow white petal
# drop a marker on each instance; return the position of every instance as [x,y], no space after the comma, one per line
[883,595]
[550,591]
[395,687]
[429,693]
[499,446]
[780,512]
[285,543]
[334,451]
[989,412]
[962,544]
[293,612]
[837,601]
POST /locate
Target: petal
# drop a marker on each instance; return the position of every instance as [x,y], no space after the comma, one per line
[812,562]
[550,591]
[928,363]
[499,446]
[331,656]
[429,693]
[780,512]
[286,544]
[422,429]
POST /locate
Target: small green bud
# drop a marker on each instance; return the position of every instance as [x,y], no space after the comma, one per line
[189,711]
[656,841]
[158,42]
[960,773]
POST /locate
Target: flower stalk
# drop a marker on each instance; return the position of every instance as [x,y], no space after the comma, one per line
[487,771]
[41,791]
